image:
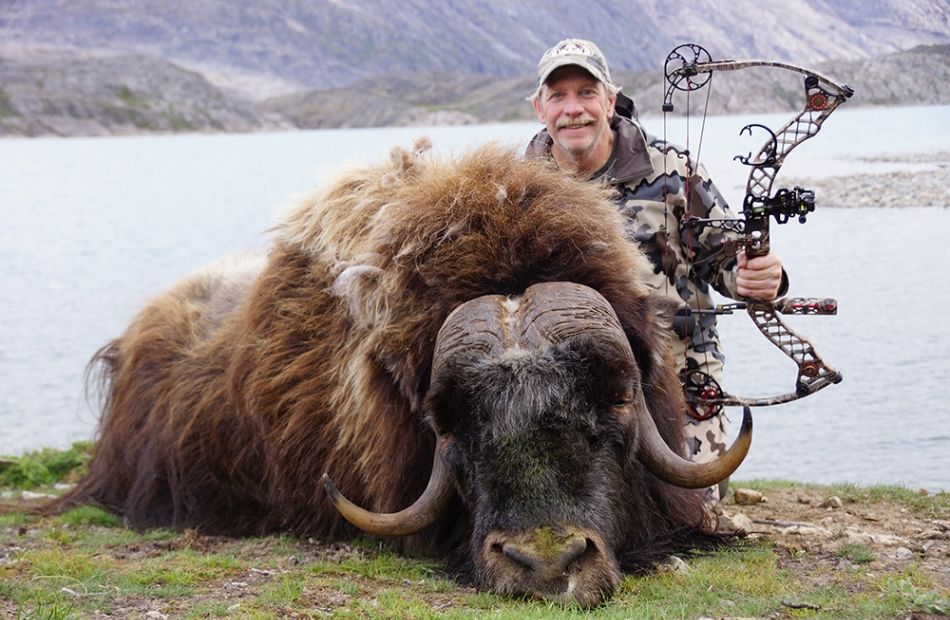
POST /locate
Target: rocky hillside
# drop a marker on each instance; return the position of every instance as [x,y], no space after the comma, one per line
[117,95]
[894,79]
[95,67]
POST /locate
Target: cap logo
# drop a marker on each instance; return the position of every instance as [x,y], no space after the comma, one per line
[570,48]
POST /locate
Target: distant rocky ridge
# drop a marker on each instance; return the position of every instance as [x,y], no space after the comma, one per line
[101,67]
[117,95]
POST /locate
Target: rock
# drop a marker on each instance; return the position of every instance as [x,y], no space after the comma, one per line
[844,564]
[804,500]
[737,523]
[888,539]
[833,503]
[156,615]
[673,564]
[855,535]
[32,495]
[747,497]
[943,525]
[806,530]
[903,554]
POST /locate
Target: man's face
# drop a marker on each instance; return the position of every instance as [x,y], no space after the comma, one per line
[576,109]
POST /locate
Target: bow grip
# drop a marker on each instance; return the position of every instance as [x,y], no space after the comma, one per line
[757,236]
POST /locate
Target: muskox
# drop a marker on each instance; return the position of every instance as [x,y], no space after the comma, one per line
[463,345]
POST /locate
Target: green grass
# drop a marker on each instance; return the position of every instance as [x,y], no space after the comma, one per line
[87,515]
[45,467]
[70,565]
[857,553]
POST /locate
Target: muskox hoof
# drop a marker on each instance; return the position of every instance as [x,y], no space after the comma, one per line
[563,564]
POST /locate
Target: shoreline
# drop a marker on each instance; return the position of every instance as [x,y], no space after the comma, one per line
[918,180]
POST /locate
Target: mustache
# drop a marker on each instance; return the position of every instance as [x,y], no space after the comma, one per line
[580,121]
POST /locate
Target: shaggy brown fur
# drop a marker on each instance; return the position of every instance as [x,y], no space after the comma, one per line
[231,394]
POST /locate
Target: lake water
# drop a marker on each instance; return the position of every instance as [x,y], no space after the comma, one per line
[91,228]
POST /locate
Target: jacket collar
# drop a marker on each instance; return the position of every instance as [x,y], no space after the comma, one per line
[632,161]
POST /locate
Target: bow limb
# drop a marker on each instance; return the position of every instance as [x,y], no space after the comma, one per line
[813,373]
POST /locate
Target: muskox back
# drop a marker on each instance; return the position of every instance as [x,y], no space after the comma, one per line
[230,394]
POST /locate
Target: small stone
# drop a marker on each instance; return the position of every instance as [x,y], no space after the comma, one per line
[923,492]
[237,584]
[903,553]
[737,523]
[32,495]
[673,564]
[889,540]
[747,497]
[944,525]
[806,530]
[156,615]
[833,503]
[844,564]
[827,522]
[804,500]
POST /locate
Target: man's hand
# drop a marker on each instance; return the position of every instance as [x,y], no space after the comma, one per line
[759,277]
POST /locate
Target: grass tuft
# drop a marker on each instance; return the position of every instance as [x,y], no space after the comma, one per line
[88,515]
[857,553]
[45,467]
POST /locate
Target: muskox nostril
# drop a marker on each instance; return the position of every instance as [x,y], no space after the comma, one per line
[522,556]
[547,558]
[574,549]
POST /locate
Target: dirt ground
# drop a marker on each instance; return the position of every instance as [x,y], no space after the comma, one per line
[821,525]
[815,536]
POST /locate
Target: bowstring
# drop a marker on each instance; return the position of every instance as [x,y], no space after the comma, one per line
[691,267]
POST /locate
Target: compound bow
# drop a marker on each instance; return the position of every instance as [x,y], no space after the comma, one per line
[688,68]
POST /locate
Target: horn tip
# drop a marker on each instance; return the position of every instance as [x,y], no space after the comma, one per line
[746,419]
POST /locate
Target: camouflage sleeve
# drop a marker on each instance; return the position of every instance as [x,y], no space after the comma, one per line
[704,244]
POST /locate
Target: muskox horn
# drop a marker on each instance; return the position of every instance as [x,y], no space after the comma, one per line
[668,466]
[423,512]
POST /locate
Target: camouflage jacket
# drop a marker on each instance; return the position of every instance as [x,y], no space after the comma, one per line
[686,260]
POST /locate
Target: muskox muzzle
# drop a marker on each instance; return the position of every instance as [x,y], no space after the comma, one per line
[537,454]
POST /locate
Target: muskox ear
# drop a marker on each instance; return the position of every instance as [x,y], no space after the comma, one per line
[444,403]
[609,373]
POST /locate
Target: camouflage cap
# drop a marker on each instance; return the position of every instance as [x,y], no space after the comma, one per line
[578,52]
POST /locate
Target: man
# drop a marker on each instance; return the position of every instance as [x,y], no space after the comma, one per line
[576,101]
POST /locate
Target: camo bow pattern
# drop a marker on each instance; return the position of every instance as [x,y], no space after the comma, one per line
[688,68]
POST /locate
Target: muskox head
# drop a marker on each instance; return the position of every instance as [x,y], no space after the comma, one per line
[543,429]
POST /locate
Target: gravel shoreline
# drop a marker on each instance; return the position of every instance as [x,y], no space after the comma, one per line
[927,187]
